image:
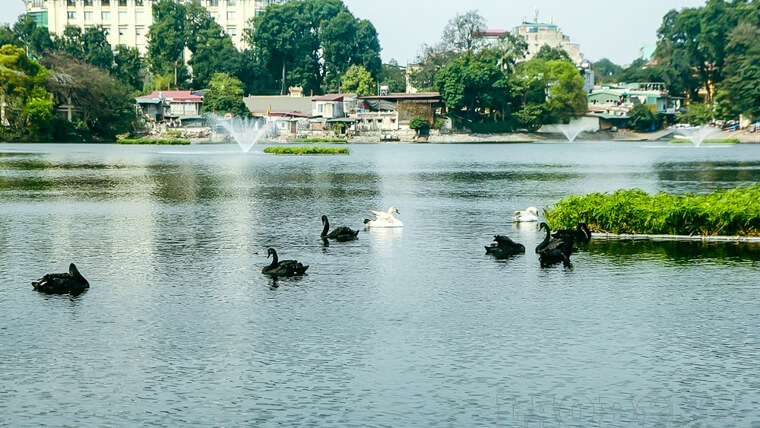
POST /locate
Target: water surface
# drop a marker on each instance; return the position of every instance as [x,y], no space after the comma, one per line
[411,327]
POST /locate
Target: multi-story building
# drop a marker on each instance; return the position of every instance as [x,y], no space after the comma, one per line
[538,34]
[127,21]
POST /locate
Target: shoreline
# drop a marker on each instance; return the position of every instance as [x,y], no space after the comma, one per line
[691,238]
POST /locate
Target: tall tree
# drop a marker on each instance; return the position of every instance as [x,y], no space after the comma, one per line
[463,32]
[393,76]
[740,90]
[128,66]
[606,70]
[90,45]
[28,109]
[167,40]
[225,95]
[359,81]
[36,40]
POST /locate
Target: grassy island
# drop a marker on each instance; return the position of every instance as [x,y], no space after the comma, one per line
[153,141]
[708,141]
[307,150]
[320,140]
[721,213]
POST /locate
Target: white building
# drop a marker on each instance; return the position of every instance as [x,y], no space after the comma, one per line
[538,34]
[127,21]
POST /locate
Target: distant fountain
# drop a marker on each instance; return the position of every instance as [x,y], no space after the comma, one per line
[574,128]
[245,131]
[697,135]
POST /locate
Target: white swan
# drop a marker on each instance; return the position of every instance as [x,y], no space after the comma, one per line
[383,219]
[529,215]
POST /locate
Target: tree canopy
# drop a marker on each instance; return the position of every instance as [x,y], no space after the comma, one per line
[225,95]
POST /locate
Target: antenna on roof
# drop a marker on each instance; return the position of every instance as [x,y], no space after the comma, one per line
[535,19]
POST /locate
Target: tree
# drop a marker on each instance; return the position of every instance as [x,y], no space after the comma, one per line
[107,104]
[36,40]
[548,53]
[463,32]
[128,66]
[311,43]
[90,46]
[429,61]
[358,80]
[225,95]
[29,111]
[473,83]
[739,92]
[642,118]
[606,70]
[393,76]
[167,40]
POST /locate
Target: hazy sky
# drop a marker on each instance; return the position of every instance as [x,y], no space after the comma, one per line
[613,28]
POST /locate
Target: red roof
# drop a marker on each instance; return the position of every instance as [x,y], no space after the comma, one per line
[492,33]
[187,96]
[333,97]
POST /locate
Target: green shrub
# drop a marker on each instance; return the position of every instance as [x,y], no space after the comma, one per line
[708,141]
[723,212]
[320,140]
[153,141]
[307,150]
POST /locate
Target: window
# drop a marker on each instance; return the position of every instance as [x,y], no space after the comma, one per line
[232,31]
[122,31]
[107,31]
[214,15]
[139,31]
[230,2]
[213,3]
[38,3]
[71,14]
[230,16]
[122,3]
[139,17]
[88,15]
[88,2]
[105,16]
[70,3]
[122,16]
[105,2]
[138,2]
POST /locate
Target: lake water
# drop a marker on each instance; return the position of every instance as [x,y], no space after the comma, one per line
[410,327]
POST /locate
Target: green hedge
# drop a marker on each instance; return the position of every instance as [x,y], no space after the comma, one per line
[724,212]
[307,150]
[320,140]
[153,141]
[708,141]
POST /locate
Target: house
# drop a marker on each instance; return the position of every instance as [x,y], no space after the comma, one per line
[613,103]
[267,105]
[393,111]
[175,107]
[332,106]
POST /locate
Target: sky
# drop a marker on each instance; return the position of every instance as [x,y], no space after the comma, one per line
[614,29]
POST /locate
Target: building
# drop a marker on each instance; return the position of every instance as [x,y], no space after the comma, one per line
[332,106]
[127,21]
[537,34]
[613,103]
[175,107]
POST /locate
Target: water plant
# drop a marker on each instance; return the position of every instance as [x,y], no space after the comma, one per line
[708,141]
[722,212]
[307,150]
[320,140]
[153,141]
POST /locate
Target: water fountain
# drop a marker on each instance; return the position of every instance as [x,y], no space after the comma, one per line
[574,128]
[697,135]
[245,131]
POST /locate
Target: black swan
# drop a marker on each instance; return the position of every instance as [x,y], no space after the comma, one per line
[283,268]
[62,283]
[581,234]
[503,247]
[548,242]
[340,234]
[557,251]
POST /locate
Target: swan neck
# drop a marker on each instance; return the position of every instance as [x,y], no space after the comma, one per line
[275,260]
[326,228]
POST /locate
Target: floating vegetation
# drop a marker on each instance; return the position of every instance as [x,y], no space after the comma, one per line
[320,140]
[307,150]
[153,141]
[721,213]
[708,141]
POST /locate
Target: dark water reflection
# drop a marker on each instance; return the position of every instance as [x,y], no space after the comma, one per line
[411,327]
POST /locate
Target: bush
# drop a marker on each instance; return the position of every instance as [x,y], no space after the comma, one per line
[153,141]
[643,119]
[723,212]
[320,140]
[418,123]
[307,150]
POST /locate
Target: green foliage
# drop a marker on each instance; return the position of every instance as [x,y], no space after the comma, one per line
[697,114]
[37,41]
[311,43]
[107,105]
[643,118]
[471,83]
[548,53]
[225,95]
[90,46]
[461,34]
[393,76]
[128,66]
[167,40]
[606,70]
[29,111]
[157,141]
[739,92]
[359,81]
[418,122]
[320,140]
[307,150]
[724,212]
[708,141]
